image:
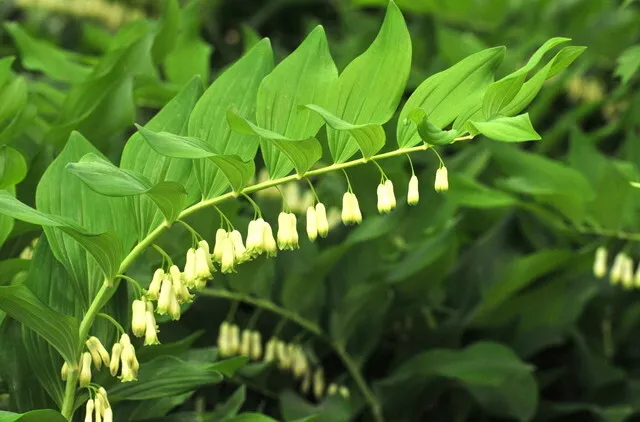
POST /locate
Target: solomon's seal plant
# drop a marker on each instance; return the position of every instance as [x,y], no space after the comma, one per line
[300,119]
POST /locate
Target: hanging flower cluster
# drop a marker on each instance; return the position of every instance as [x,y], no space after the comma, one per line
[621,271]
[288,357]
[98,406]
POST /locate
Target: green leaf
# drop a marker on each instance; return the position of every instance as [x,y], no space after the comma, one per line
[63,194]
[308,75]
[228,367]
[13,167]
[33,416]
[370,87]
[467,192]
[107,179]
[104,247]
[303,153]
[237,86]
[231,406]
[250,417]
[429,132]
[167,33]
[103,104]
[9,268]
[492,373]
[59,330]
[530,89]
[165,376]
[6,223]
[450,95]
[369,137]
[190,56]
[506,129]
[628,63]
[5,69]
[43,56]
[518,275]
[548,181]
[500,93]
[237,171]
[141,158]
[295,408]
[13,98]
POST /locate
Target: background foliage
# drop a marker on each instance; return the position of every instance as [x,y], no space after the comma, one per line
[475,305]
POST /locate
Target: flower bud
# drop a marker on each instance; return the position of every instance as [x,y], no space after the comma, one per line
[270,351]
[306,383]
[312,224]
[294,231]
[85,370]
[138,318]
[156,282]
[98,408]
[64,372]
[256,345]
[600,262]
[344,391]
[218,248]
[245,345]
[442,180]
[166,297]
[105,398]
[174,309]
[228,257]
[627,273]
[239,251]
[383,199]
[116,353]
[93,343]
[413,196]
[151,331]
[321,218]
[234,340]
[318,383]
[391,196]
[223,339]
[332,389]
[180,290]
[88,413]
[300,365]
[108,415]
[270,245]
[190,268]
[95,356]
[282,353]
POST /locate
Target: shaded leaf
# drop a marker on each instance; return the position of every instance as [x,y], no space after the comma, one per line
[628,63]
[303,153]
[59,330]
[107,179]
[13,167]
[370,137]
[429,132]
[237,171]
[33,416]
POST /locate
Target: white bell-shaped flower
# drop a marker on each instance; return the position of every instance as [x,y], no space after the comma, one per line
[138,318]
[270,245]
[600,262]
[442,180]
[245,343]
[88,411]
[239,251]
[312,224]
[151,329]
[321,218]
[218,248]
[166,296]
[156,282]
[180,290]
[189,273]
[255,238]
[256,345]
[391,196]
[227,264]
[114,364]
[85,370]
[384,205]
[413,195]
